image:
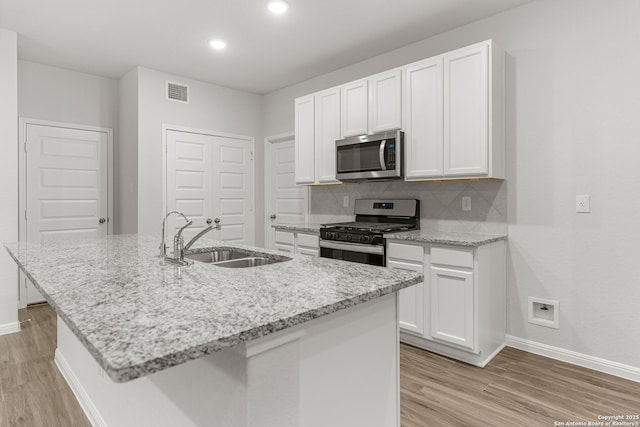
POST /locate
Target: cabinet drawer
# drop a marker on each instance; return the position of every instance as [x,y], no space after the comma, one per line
[406,252]
[455,257]
[308,240]
[284,237]
[307,251]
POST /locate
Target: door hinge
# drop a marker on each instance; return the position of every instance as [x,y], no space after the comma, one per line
[25,214]
[251,152]
[25,146]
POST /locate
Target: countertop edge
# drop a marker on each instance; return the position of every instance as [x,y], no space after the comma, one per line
[307,228]
[149,367]
[463,239]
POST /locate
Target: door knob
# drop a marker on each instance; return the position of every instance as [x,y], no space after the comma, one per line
[102,220]
[273,216]
[209,221]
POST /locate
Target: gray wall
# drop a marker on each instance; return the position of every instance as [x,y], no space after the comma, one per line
[9,175]
[126,156]
[572,106]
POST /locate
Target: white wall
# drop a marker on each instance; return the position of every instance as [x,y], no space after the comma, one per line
[126,155]
[573,103]
[210,107]
[9,176]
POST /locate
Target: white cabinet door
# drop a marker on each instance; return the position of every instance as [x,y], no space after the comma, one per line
[354,111]
[305,140]
[423,123]
[466,111]
[327,131]
[411,300]
[452,306]
[285,241]
[385,108]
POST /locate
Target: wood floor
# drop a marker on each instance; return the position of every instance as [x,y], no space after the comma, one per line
[515,389]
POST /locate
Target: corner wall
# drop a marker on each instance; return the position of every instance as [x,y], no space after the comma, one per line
[9,175]
[572,128]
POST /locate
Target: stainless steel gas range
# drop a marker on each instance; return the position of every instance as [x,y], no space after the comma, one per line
[362,240]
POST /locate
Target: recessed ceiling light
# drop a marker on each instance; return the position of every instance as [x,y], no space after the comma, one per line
[277,6]
[217,44]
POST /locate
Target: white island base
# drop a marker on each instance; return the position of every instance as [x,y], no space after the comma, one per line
[338,370]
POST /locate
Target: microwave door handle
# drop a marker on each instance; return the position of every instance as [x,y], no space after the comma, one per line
[383,165]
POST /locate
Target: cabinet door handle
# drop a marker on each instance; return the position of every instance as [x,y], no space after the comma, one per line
[209,221]
[273,216]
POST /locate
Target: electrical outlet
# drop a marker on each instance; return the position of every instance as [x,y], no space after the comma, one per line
[466,203]
[582,204]
[345,201]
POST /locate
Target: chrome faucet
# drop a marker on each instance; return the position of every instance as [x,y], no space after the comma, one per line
[178,241]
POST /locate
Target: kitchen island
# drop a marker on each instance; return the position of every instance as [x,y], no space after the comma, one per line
[304,342]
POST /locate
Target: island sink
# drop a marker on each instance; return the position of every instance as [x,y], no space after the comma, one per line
[216,255]
[230,258]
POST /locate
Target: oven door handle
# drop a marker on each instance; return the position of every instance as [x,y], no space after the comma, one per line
[383,164]
[353,247]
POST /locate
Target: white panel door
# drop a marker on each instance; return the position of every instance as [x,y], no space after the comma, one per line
[287,201]
[327,131]
[305,139]
[385,109]
[466,111]
[354,99]
[233,189]
[452,303]
[189,181]
[411,300]
[423,124]
[66,185]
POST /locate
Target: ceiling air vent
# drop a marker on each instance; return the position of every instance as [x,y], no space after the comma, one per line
[177,92]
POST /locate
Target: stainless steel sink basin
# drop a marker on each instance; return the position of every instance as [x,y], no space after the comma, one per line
[234,259]
[216,255]
[249,262]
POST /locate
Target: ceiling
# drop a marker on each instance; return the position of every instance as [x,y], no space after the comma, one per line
[264,52]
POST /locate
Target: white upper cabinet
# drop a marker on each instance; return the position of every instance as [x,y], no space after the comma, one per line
[305,139]
[423,122]
[327,128]
[385,109]
[355,111]
[466,111]
[372,105]
[454,115]
[317,127]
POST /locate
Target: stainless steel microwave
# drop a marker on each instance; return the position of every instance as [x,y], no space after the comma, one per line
[370,157]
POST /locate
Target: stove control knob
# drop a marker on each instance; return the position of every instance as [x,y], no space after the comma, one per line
[349,237]
[364,239]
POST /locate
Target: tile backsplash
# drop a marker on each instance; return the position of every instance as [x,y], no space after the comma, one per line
[440,203]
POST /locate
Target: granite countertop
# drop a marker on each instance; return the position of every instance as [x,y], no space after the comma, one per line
[309,227]
[447,238]
[137,316]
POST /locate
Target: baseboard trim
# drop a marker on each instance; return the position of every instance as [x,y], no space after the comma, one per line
[9,328]
[591,362]
[81,394]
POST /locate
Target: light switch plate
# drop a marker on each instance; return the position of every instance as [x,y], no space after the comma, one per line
[582,204]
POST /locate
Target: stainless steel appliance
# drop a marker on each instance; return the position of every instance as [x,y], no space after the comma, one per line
[368,157]
[363,240]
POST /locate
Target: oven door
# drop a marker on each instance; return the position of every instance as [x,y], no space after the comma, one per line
[364,254]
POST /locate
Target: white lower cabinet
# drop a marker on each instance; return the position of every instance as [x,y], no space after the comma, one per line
[297,242]
[459,310]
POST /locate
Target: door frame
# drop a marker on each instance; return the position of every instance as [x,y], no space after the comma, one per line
[23,122]
[169,127]
[268,141]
